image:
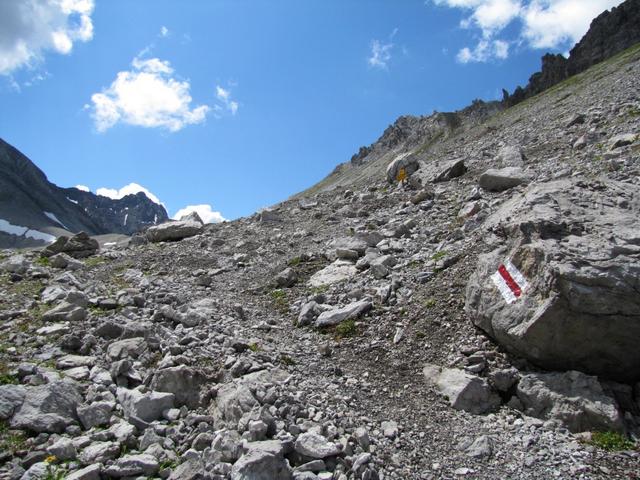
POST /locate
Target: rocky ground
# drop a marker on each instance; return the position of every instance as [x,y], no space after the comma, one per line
[345,335]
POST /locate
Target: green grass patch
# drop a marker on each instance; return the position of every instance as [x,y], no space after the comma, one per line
[287,360]
[439,255]
[430,302]
[319,290]
[11,440]
[254,347]
[295,261]
[611,441]
[27,288]
[279,299]
[346,329]
[43,261]
[95,261]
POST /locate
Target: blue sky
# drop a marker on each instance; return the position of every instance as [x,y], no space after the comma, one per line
[237,104]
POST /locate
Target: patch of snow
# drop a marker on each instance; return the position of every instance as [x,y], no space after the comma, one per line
[83,188]
[125,218]
[108,244]
[24,231]
[55,219]
[72,201]
[155,219]
[35,234]
[10,228]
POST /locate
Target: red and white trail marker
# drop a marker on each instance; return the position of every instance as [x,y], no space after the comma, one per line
[509,281]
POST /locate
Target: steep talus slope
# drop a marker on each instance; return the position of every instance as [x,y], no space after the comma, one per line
[357,333]
[29,201]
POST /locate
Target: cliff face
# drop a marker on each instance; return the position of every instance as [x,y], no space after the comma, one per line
[610,33]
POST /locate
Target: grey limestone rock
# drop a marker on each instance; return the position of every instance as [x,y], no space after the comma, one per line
[80,245]
[144,406]
[465,391]
[314,445]
[133,465]
[406,162]
[173,230]
[65,312]
[498,180]
[47,408]
[451,169]
[337,315]
[183,381]
[580,307]
[261,465]
[575,399]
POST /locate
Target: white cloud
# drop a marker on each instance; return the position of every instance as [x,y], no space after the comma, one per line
[84,188]
[549,24]
[147,96]
[380,54]
[224,96]
[557,24]
[164,31]
[130,189]
[28,28]
[483,51]
[206,213]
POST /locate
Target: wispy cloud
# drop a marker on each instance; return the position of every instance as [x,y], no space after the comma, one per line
[29,28]
[544,23]
[164,31]
[381,52]
[224,96]
[148,95]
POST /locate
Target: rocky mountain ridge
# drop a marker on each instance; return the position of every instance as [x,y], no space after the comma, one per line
[33,211]
[610,33]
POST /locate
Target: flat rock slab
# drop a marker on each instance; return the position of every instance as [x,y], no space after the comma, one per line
[576,399]
[337,315]
[314,445]
[498,180]
[172,231]
[337,272]
[464,391]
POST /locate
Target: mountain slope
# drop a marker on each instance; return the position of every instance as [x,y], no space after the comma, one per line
[611,33]
[32,209]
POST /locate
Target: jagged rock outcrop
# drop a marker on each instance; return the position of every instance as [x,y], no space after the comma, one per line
[610,33]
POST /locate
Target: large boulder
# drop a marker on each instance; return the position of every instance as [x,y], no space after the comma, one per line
[498,180]
[336,272]
[575,399]
[235,399]
[183,381]
[464,391]
[171,231]
[80,245]
[146,406]
[402,167]
[48,408]
[572,248]
[261,465]
[451,169]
